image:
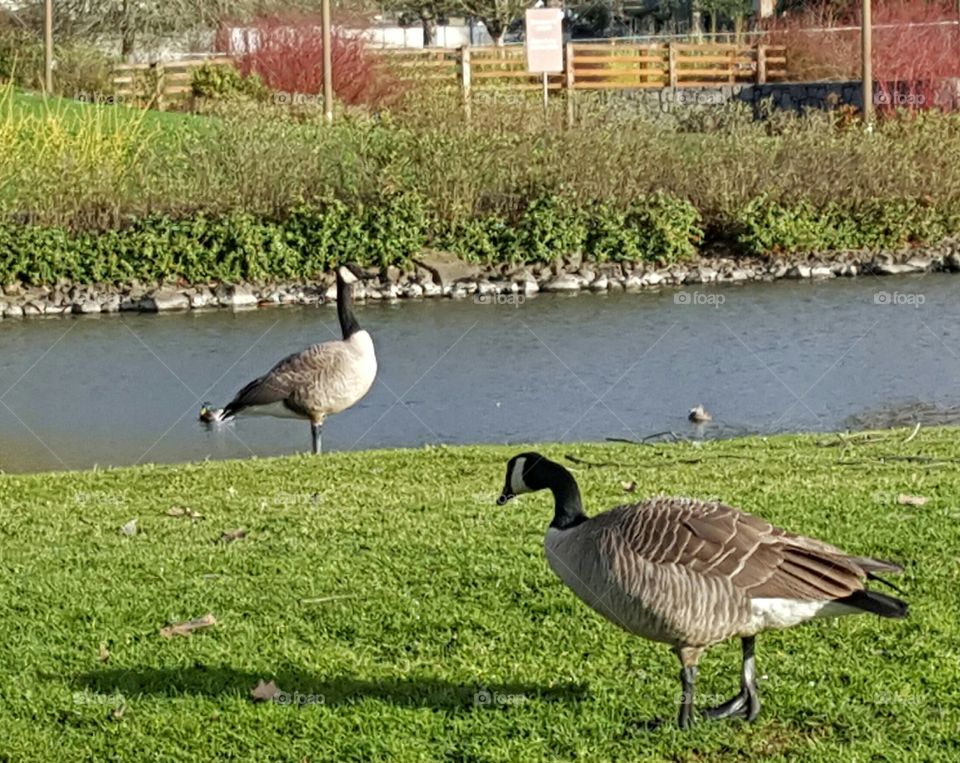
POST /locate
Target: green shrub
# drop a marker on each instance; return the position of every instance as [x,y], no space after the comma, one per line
[766,226]
[668,228]
[484,240]
[395,228]
[550,227]
[225,82]
[81,69]
[235,247]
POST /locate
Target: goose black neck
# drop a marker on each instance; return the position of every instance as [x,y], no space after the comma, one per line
[348,321]
[568,508]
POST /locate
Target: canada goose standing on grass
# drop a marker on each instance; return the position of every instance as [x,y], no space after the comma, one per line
[316,382]
[692,574]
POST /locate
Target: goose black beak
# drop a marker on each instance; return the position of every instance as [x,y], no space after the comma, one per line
[505,496]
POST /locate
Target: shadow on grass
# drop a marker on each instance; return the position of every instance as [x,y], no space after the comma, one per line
[216,681]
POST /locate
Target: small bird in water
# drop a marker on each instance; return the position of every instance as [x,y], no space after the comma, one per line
[699,415]
[321,380]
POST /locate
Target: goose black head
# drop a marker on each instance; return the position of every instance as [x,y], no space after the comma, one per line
[529,472]
[348,274]
[526,473]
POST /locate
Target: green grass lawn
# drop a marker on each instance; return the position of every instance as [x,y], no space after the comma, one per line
[382,591]
[39,105]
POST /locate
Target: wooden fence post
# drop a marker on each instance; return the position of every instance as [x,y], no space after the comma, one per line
[761,64]
[158,87]
[568,83]
[672,64]
[465,80]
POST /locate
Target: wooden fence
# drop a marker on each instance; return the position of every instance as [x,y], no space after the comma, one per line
[597,66]
[161,81]
[587,66]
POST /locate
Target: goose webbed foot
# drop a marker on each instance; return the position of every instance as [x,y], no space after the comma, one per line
[745,705]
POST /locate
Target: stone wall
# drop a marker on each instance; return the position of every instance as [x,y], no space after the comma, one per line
[793,96]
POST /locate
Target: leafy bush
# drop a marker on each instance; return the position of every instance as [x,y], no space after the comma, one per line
[288,56]
[21,55]
[212,81]
[767,226]
[549,228]
[81,68]
[486,239]
[312,239]
[236,247]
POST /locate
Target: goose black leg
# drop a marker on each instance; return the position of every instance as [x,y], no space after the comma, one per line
[747,703]
[688,677]
[316,430]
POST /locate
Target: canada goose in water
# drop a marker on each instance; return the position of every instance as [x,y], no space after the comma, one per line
[692,574]
[699,414]
[316,382]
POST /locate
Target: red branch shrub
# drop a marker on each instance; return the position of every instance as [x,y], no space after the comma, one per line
[287,53]
[916,49]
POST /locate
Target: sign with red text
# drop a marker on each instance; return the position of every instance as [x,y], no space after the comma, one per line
[544,40]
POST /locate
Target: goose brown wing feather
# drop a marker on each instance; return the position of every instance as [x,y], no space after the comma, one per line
[287,380]
[717,541]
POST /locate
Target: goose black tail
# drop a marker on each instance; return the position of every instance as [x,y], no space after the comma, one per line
[877,603]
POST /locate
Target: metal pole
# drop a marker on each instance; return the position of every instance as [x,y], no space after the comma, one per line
[48,45]
[327,63]
[866,62]
[546,113]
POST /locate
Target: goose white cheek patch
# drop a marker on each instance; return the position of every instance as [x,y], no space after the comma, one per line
[517,485]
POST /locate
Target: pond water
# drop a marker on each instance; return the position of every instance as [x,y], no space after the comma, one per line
[762,358]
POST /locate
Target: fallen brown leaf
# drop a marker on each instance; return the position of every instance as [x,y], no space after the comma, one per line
[232,535]
[117,712]
[180,511]
[628,487]
[104,653]
[911,500]
[264,691]
[185,629]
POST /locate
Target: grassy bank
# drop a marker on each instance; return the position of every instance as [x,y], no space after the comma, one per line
[253,190]
[382,591]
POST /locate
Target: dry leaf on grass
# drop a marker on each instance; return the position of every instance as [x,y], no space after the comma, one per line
[232,535]
[117,712]
[130,528]
[180,511]
[628,487]
[185,629]
[104,653]
[264,691]
[911,500]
